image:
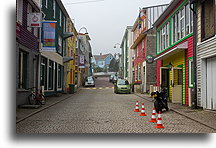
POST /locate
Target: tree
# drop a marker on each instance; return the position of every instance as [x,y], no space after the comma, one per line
[114,65]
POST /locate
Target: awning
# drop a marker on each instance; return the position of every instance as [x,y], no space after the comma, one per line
[67,59]
[173,51]
[67,35]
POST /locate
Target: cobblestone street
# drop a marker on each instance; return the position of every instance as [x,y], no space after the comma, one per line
[102,111]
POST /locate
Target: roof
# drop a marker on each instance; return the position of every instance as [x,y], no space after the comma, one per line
[166,12]
[101,57]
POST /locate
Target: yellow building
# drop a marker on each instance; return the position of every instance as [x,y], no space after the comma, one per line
[70,66]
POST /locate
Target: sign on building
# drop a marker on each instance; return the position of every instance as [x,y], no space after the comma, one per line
[81,61]
[49,36]
[34,19]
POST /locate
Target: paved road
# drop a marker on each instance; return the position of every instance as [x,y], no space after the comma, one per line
[102,111]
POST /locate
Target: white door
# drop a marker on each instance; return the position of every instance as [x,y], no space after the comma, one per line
[211,84]
[177,81]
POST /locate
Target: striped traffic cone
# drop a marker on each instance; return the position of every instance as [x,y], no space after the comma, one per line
[143,110]
[137,107]
[159,121]
[153,119]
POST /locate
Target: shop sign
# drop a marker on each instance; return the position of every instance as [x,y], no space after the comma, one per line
[34,19]
[49,36]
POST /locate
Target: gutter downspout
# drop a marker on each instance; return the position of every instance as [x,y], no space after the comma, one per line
[194,89]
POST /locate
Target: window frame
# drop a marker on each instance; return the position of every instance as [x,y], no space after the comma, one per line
[203,21]
[19,11]
[54,9]
[23,70]
[50,74]
[190,72]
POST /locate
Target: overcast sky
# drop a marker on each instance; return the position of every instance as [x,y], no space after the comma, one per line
[106,20]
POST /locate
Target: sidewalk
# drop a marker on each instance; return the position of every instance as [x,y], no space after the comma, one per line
[204,117]
[23,113]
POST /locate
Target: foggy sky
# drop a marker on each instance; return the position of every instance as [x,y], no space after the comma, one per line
[106,20]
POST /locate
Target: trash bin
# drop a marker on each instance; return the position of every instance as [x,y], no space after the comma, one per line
[71,88]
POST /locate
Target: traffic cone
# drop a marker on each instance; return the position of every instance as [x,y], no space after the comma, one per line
[143,110]
[137,107]
[159,121]
[153,119]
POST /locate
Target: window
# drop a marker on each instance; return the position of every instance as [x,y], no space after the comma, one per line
[167,35]
[46,3]
[59,76]
[19,11]
[51,69]
[182,23]
[174,28]
[64,28]
[187,24]
[207,19]
[177,26]
[60,44]
[43,73]
[22,70]
[163,38]
[159,40]
[29,10]
[191,19]
[190,72]
[54,9]
[60,18]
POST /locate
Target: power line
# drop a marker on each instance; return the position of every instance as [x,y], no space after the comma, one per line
[83,2]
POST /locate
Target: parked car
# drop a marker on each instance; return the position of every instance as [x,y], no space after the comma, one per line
[90,81]
[122,86]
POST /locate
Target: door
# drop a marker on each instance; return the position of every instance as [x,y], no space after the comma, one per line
[177,81]
[211,84]
[164,79]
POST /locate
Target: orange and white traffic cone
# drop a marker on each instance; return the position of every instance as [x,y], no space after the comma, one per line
[137,107]
[159,121]
[153,119]
[143,110]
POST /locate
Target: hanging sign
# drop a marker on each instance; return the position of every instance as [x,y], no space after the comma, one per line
[49,36]
[149,59]
[81,61]
[34,19]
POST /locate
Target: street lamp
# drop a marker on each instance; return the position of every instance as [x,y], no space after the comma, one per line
[116,45]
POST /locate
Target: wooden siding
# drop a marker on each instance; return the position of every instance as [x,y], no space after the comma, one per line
[205,50]
[27,38]
[176,60]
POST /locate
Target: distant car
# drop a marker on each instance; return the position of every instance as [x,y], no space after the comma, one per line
[90,81]
[122,86]
[111,77]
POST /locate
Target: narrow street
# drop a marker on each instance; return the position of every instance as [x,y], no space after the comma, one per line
[100,110]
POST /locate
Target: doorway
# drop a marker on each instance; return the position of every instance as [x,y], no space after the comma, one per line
[211,84]
[164,79]
[177,82]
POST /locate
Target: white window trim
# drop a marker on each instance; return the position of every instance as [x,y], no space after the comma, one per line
[189,73]
[19,11]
